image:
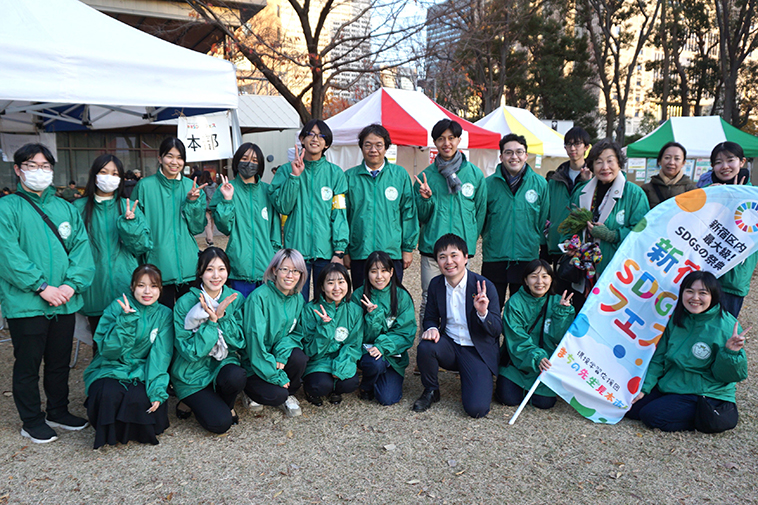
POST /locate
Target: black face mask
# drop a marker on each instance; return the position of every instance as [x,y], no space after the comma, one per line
[247,169]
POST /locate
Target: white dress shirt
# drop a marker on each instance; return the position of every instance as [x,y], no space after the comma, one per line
[456,326]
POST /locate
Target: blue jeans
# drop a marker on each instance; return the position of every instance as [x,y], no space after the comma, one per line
[314,266]
[378,375]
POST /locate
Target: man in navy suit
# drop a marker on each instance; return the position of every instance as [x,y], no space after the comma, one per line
[462,328]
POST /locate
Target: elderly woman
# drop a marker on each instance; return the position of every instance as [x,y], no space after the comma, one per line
[670,181]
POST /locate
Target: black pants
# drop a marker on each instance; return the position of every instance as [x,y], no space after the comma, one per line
[509,393]
[35,339]
[266,393]
[213,409]
[320,384]
[504,274]
[171,293]
[357,267]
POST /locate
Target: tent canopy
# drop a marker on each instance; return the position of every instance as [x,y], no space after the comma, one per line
[76,68]
[409,116]
[540,138]
[698,134]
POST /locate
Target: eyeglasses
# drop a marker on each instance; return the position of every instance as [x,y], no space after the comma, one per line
[518,152]
[369,147]
[577,144]
[45,167]
[315,135]
[286,271]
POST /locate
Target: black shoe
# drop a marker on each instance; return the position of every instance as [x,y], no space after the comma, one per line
[366,395]
[235,419]
[182,414]
[40,434]
[315,400]
[67,421]
[335,399]
[426,399]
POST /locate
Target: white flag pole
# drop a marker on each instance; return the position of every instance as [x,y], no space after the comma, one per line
[526,400]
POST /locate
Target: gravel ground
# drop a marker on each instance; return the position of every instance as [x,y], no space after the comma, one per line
[364,453]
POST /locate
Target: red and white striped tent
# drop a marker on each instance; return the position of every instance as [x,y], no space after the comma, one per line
[409,116]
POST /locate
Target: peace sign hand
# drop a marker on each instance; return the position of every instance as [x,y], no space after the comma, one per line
[423,189]
[367,303]
[227,190]
[739,182]
[125,305]
[737,341]
[323,315]
[211,314]
[566,300]
[129,214]
[221,310]
[194,193]
[298,165]
[481,301]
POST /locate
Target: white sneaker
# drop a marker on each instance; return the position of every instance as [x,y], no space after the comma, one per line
[250,404]
[291,407]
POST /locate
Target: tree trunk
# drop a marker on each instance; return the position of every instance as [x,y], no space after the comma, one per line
[621,127]
[666,64]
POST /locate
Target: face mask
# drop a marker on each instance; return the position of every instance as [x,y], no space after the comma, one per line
[247,169]
[107,183]
[38,180]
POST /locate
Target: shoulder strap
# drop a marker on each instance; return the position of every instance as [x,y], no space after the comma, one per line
[45,219]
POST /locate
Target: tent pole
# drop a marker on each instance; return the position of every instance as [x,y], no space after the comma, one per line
[236,131]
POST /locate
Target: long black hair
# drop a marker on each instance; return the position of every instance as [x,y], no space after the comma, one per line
[204,259]
[324,275]
[91,187]
[384,260]
[710,283]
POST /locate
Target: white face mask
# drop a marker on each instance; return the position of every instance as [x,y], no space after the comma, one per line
[37,180]
[107,183]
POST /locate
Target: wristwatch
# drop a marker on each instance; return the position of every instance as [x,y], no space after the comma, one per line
[40,289]
[340,255]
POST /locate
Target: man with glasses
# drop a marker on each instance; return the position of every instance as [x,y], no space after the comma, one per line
[310,191]
[381,211]
[47,263]
[517,209]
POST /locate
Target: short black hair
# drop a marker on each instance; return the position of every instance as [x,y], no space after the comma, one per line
[512,137]
[711,284]
[670,144]
[446,124]
[29,151]
[244,148]
[725,147]
[322,127]
[601,146]
[72,182]
[376,129]
[324,275]
[533,266]
[577,133]
[450,240]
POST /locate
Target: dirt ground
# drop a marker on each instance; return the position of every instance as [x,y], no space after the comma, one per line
[363,453]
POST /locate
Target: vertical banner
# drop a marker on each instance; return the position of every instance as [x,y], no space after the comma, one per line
[206,137]
[599,366]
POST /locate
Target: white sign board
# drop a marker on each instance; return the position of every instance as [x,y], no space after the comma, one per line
[206,137]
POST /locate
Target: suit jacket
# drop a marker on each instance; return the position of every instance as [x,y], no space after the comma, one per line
[485,334]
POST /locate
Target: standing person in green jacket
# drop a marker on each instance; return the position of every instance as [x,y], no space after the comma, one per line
[700,358]
[381,210]
[310,191]
[534,322]
[332,330]
[118,235]
[273,355]
[517,210]
[126,382]
[244,212]
[46,266]
[451,197]
[206,371]
[389,328]
[175,213]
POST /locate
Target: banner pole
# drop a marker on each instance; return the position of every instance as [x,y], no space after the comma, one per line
[525,401]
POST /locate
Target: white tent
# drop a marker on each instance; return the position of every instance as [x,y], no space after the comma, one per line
[66,66]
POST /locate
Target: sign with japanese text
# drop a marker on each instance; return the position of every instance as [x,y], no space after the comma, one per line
[206,137]
[600,364]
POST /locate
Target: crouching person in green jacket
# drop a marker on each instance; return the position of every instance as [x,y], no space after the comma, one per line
[332,330]
[389,328]
[126,382]
[696,364]
[47,263]
[273,354]
[206,372]
[534,322]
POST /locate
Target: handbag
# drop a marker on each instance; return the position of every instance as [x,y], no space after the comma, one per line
[568,272]
[505,357]
[710,419]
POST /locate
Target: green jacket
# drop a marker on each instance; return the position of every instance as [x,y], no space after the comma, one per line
[135,346]
[192,369]
[31,254]
[173,221]
[628,211]
[268,324]
[334,347]
[314,204]
[253,228]
[116,243]
[462,213]
[692,360]
[381,212]
[560,188]
[393,336]
[515,224]
[520,313]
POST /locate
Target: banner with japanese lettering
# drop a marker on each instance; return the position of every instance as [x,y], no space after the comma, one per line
[206,137]
[599,366]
